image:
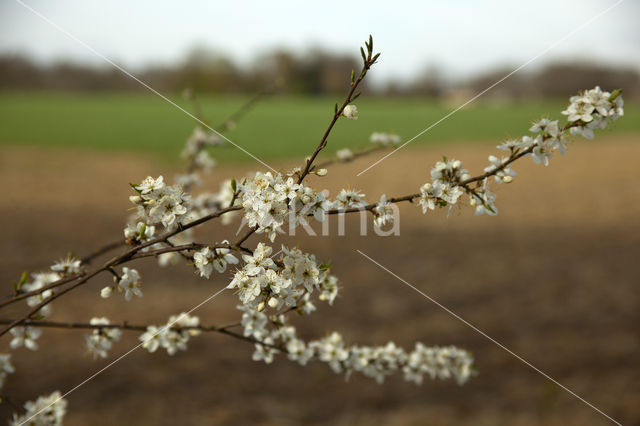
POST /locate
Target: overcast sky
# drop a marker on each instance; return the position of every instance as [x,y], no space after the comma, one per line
[462,37]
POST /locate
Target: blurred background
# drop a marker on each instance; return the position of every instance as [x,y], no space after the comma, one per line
[552,277]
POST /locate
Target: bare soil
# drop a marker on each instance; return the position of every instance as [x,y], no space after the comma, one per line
[554,277]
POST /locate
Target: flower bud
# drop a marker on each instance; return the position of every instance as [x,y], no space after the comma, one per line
[322,172]
[106,292]
[261,306]
[136,199]
[273,302]
[350,112]
[507,179]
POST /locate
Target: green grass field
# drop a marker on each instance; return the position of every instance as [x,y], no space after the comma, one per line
[276,127]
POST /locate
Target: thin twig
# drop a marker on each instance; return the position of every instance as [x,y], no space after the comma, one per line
[368,60]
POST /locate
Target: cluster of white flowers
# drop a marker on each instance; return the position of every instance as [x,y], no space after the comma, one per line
[172,336]
[25,336]
[129,283]
[198,140]
[274,335]
[593,109]
[289,283]
[378,362]
[262,282]
[45,411]
[438,362]
[269,201]
[384,139]
[99,342]
[207,259]
[444,189]
[160,203]
[344,155]
[6,368]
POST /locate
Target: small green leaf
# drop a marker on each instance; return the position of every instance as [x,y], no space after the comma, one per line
[233,185]
[18,285]
[134,186]
[615,94]
[353,76]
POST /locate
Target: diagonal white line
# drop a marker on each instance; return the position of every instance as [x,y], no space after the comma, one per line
[542,53]
[458,317]
[161,330]
[127,73]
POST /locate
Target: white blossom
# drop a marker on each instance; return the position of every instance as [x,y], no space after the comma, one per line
[67,266]
[151,338]
[382,212]
[503,173]
[298,351]
[331,350]
[350,112]
[208,259]
[270,201]
[159,203]
[99,342]
[348,198]
[546,126]
[264,351]
[139,232]
[129,283]
[25,336]
[39,281]
[149,185]
[484,200]
[384,139]
[204,161]
[344,154]
[446,176]
[45,411]
[172,336]
[542,153]
[438,362]
[200,138]
[427,198]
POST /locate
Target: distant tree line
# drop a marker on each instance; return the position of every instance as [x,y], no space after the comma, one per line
[315,72]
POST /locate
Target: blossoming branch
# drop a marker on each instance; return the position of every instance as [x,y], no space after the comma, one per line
[272,281]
